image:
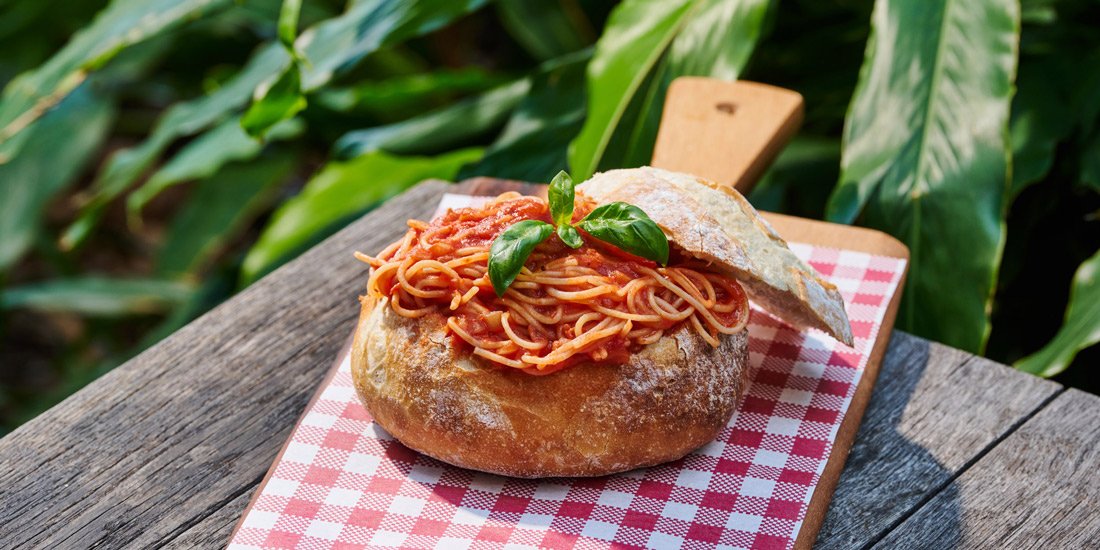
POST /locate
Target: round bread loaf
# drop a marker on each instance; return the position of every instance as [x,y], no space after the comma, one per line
[672,397]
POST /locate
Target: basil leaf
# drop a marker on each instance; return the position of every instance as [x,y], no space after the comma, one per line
[510,250]
[561,197]
[629,228]
[569,235]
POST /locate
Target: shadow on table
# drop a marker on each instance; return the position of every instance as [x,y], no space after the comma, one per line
[887,476]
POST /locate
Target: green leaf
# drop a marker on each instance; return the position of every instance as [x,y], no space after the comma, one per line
[512,248]
[644,47]
[406,96]
[182,119]
[205,155]
[97,297]
[367,27]
[1041,117]
[800,179]
[561,196]
[54,152]
[332,45]
[1090,163]
[274,104]
[122,24]
[546,29]
[925,155]
[288,23]
[535,140]
[339,193]
[634,39]
[1038,12]
[1052,103]
[437,130]
[570,236]
[218,210]
[629,228]
[1081,328]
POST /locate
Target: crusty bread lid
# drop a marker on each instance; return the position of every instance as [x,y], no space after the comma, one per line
[715,223]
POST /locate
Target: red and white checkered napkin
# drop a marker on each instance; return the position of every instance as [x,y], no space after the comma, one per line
[345,483]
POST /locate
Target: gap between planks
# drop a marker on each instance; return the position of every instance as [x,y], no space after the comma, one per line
[912,511]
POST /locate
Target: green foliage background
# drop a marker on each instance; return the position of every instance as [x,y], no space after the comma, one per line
[158,155]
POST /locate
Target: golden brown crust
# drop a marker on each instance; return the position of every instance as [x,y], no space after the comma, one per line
[715,223]
[587,420]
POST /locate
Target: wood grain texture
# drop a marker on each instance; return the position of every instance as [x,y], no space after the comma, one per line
[728,132]
[933,410]
[213,530]
[148,452]
[1040,488]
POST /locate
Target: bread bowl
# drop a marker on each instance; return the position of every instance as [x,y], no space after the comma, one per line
[652,371]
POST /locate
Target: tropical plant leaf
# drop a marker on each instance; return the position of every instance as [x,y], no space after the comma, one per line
[1090,163]
[437,130]
[1057,99]
[368,26]
[330,46]
[1041,117]
[276,103]
[122,24]
[341,191]
[1081,328]
[98,297]
[205,155]
[55,151]
[800,179]
[288,23]
[632,43]
[535,140]
[219,208]
[717,40]
[925,156]
[40,30]
[394,99]
[183,119]
[644,47]
[547,29]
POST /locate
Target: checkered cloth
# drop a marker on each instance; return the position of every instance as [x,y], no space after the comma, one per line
[343,482]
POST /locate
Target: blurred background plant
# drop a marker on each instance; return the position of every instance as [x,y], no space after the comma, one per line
[157,156]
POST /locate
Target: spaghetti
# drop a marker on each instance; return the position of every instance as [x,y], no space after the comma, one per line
[596,303]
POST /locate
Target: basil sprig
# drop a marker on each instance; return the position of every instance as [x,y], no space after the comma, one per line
[623,225]
[561,196]
[511,248]
[569,235]
[627,227]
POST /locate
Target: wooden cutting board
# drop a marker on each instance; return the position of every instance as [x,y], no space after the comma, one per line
[730,132]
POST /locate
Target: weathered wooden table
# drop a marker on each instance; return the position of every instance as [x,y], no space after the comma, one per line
[166,450]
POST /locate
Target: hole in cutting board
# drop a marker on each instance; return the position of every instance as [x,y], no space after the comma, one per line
[726,107]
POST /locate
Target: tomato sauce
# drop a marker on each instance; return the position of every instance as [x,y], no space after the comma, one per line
[463,228]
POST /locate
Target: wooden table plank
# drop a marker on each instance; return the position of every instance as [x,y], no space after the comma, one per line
[159,444]
[934,409]
[1040,488]
[213,530]
[167,449]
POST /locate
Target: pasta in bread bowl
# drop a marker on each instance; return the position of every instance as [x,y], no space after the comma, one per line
[580,335]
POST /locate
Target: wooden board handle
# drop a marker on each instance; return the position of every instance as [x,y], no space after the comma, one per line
[728,132]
